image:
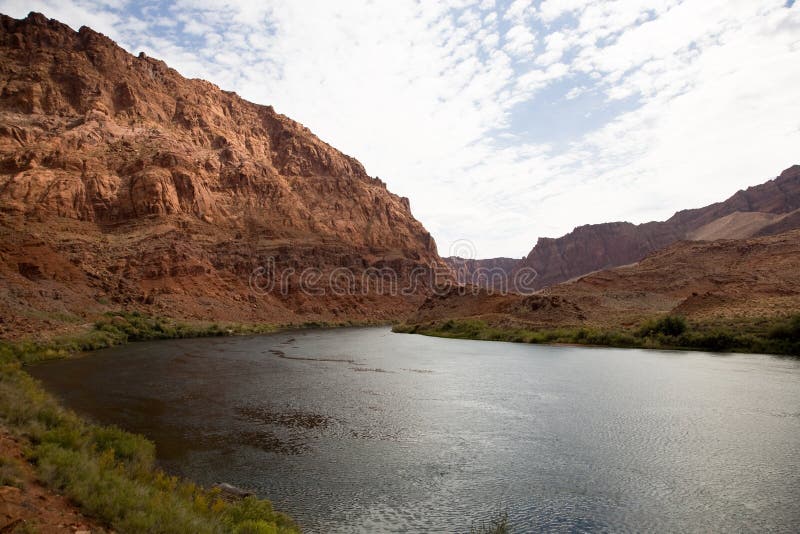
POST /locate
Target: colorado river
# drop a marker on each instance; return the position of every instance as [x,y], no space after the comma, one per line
[365,430]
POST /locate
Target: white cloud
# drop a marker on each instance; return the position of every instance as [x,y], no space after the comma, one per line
[574,93]
[699,97]
[194,27]
[97,16]
[520,40]
[556,44]
[518,10]
[550,10]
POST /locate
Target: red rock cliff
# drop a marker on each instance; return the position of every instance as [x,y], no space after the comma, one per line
[122,182]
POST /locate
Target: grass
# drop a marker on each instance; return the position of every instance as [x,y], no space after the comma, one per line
[119,328]
[108,472]
[767,336]
[10,473]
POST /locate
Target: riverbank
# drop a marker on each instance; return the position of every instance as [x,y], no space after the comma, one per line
[108,473]
[27,505]
[766,336]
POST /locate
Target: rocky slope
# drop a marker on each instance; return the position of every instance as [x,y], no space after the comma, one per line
[724,280]
[761,210]
[26,505]
[124,184]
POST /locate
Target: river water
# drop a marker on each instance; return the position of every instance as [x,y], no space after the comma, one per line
[364,430]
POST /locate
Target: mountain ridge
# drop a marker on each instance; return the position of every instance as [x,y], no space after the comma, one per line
[730,281]
[595,247]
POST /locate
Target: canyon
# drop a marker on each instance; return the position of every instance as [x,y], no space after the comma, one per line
[139,205]
[124,185]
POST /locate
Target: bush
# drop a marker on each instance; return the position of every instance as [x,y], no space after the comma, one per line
[671,325]
[671,332]
[788,331]
[10,473]
[714,340]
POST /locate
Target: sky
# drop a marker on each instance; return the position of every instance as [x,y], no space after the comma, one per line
[502,121]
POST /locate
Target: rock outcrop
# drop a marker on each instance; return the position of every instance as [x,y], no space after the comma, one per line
[491,273]
[123,183]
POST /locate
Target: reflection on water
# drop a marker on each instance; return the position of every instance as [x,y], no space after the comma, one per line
[365,430]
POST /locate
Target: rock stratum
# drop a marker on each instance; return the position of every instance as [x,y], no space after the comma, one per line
[124,184]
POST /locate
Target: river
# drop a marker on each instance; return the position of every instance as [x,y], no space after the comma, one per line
[364,430]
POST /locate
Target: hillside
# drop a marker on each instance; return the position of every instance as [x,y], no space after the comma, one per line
[765,209]
[124,184]
[721,281]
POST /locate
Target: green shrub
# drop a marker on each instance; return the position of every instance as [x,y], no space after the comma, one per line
[671,325]
[253,526]
[671,332]
[787,331]
[135,451]
[10,473]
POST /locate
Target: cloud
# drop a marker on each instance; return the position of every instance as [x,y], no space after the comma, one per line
[502,121]
[520,40]
[553,9]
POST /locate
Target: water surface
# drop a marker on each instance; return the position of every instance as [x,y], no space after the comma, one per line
[363,430]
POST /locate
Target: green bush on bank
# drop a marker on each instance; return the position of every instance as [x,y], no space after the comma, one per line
[669,332]
[111,473]
[670,325]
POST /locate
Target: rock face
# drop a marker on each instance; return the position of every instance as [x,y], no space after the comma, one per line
[761,210]
[123,183]
[705,281]
[492,273]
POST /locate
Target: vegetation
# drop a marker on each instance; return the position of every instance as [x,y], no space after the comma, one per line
[111,473]
[769,336]
[671,325]
[116,328]
[10,473]
[476,329]
[119,328]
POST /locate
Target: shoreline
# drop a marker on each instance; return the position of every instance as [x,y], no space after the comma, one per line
[781,338]
[108,474]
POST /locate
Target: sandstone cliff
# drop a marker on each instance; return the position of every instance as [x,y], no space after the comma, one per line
[491,273]
[124,184]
